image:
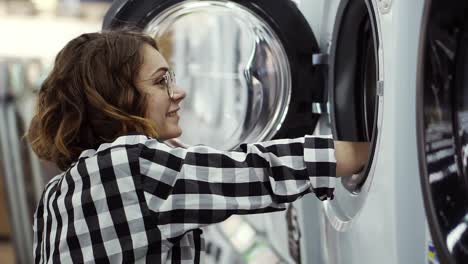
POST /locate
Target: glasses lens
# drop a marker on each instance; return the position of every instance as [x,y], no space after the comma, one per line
[170,83]
[172,76]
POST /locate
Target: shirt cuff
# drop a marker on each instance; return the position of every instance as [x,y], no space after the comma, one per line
[320,161]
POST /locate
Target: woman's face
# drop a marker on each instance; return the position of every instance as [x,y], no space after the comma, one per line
[161,108]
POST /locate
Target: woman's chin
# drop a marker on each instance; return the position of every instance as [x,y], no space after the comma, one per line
[171,133]
[175,132]
[179,133]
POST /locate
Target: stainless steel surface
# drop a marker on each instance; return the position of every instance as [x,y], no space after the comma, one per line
[234,70]
[20,217]
[22,171]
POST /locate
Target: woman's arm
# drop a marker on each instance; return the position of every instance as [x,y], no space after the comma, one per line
[193,187]
[351,157]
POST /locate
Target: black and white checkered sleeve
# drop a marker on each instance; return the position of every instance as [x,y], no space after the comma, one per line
[193,187]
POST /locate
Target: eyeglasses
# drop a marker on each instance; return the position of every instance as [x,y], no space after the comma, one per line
[169,83]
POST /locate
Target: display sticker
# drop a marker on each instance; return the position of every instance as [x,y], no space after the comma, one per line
[431,253]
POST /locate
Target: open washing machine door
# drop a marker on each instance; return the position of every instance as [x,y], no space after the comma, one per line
[442,114]
[246,66]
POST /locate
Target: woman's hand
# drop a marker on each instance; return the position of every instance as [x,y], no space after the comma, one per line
[351,157]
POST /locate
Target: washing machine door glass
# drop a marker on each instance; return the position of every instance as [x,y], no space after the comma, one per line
[231,65]
[247,78]
[443,127]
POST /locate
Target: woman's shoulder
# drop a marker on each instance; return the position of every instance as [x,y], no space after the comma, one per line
[128,141]
[112,162]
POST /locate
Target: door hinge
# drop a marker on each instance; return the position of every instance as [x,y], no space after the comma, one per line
[319,59]
[320,108]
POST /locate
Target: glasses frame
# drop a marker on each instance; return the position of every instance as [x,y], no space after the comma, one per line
[170,82]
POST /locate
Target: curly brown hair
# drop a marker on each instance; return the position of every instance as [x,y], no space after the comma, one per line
[90,96]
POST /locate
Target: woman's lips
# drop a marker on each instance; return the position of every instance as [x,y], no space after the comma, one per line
[173,112]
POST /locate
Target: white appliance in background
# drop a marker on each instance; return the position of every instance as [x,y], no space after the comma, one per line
[23,174]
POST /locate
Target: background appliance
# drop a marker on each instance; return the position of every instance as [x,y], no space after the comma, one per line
[441,107]
[22,173]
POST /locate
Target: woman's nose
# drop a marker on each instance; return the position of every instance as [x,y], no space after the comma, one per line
[179,95]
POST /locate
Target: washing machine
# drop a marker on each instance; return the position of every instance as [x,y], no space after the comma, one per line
[419,180]
[375,215]
[256,70]
[441,105]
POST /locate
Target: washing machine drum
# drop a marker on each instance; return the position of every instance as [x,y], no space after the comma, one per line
[248,76]
[442,108]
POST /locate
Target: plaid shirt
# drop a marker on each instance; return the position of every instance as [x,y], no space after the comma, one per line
[138,200]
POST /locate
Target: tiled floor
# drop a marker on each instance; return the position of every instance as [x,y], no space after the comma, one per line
[6,253]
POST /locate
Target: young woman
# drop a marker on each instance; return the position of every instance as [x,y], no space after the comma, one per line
[125,196]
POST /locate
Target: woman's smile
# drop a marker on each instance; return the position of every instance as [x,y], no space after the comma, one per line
[173,113]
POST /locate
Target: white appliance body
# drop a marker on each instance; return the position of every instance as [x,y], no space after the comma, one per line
[391,226]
